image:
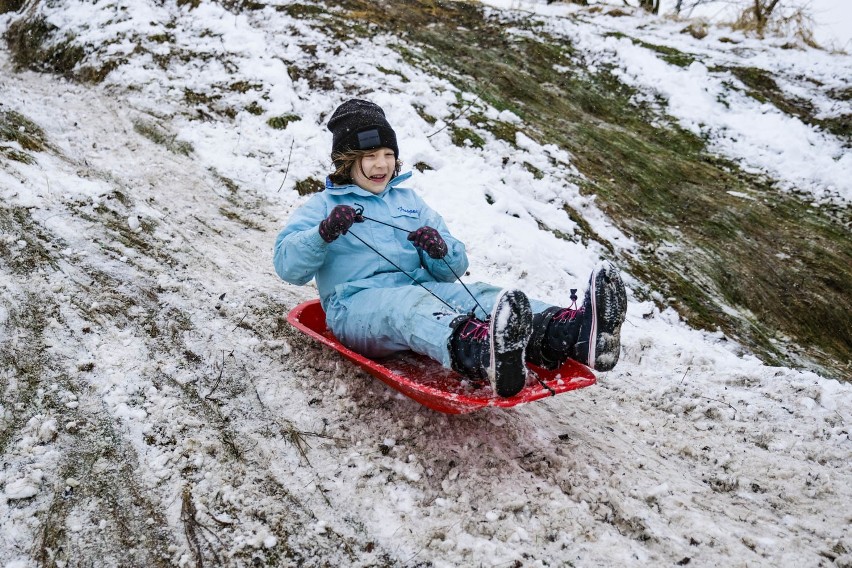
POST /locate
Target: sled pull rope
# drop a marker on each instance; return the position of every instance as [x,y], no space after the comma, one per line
[360,210]
[401,270]
[542,383]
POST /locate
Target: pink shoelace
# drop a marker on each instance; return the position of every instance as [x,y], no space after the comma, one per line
[571,312]
[474,329]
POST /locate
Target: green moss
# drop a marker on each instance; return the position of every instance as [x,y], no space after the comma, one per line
[280,122]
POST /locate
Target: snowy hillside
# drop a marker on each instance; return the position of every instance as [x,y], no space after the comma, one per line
[157,410]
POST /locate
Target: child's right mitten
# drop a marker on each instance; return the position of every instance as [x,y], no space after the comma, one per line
[338,222]
[430,240]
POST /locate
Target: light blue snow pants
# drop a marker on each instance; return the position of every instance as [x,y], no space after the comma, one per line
[377,322]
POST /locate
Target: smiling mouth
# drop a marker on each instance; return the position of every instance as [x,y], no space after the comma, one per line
[378,178]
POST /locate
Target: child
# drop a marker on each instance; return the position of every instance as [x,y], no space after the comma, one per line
[391,285]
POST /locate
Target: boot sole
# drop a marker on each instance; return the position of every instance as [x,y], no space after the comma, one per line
[511,328]
[609,306]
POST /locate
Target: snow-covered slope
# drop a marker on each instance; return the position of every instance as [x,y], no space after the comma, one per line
[156,409]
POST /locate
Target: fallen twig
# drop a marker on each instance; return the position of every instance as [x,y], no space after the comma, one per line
[455,118]
[287,169]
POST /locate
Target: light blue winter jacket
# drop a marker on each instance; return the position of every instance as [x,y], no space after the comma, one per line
[347,265]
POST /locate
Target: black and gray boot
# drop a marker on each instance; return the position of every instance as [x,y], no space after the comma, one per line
[494,349]
[590,334]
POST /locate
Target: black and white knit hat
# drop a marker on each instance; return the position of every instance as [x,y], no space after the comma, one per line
[360,125]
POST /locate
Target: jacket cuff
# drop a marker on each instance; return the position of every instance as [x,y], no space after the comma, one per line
[315,240]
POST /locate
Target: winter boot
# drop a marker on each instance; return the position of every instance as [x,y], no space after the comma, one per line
[590,334]
[494,349]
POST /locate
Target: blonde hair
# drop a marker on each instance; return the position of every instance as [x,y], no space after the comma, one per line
[343,162]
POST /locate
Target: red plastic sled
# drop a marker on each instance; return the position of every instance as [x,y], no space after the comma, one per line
[435,386]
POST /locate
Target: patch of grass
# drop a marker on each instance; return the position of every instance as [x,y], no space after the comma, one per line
[392,72]
[195,98]
[237,218]
[15,127]
[162,38]
[280,122]
[232,186]
[465,136]
[205,102]
[255,109]
[309,185]
[585,229]
[27,360]
[105,468]
[244,86]
[26,247]
[669,54]
[784,266]
[537,173]
[317,76]
[501,130]
[425,115]
[10,5]
[762,87]
[160,136]
[16,155]
[299,10]
[841,94]
[34,45]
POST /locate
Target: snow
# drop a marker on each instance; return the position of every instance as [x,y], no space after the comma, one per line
[170,399]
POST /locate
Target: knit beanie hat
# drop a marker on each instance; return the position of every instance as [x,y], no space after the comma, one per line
[360,125]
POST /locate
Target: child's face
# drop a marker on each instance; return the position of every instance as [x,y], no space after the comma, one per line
[374,170]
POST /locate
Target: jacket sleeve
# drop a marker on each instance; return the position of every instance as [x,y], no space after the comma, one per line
[456,256]
[299,248]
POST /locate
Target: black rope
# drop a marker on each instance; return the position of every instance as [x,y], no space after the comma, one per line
[542,383]
[403,271]
[359,210]
[465,286]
